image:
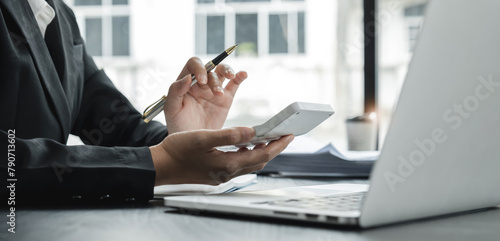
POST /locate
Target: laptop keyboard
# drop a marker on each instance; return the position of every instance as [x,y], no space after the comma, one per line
[338,202]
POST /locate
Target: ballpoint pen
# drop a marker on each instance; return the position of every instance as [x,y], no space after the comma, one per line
[154,109]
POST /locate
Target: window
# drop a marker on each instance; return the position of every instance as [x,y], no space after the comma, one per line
[278,36]
[105,26]
[215,37]
[120,36]
[414,16]
[87,2]
[247,34]
[260,27]
[93,36]
[120,2]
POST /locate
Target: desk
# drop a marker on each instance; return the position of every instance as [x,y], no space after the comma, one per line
[152,222]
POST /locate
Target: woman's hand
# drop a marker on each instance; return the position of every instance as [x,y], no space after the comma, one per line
[206,104]
[191,157]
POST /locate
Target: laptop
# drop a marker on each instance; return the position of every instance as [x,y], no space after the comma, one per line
[442,151]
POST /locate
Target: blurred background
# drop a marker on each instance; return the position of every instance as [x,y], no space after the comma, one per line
[293,50]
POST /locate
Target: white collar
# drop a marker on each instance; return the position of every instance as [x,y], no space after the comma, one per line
[44,14]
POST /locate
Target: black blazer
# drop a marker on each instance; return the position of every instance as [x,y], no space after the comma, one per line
[41,105]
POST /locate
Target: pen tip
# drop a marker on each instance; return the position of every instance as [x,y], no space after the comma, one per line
[231,49]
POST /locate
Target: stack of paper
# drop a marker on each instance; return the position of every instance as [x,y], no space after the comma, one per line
[327,162]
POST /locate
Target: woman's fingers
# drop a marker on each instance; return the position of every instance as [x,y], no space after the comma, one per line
[234,83]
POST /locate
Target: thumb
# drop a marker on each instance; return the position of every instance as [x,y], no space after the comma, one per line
[177,91]
[229,136]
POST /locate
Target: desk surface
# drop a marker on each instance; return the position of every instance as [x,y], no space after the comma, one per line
[154,222]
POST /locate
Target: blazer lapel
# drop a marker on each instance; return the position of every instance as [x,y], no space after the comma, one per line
[22,14]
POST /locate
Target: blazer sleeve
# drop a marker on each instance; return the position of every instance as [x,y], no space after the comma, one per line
[46,172]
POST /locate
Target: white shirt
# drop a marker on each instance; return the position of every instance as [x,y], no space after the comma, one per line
[44,14]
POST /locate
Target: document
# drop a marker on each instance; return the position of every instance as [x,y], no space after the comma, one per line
[194,189]
[326,162]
